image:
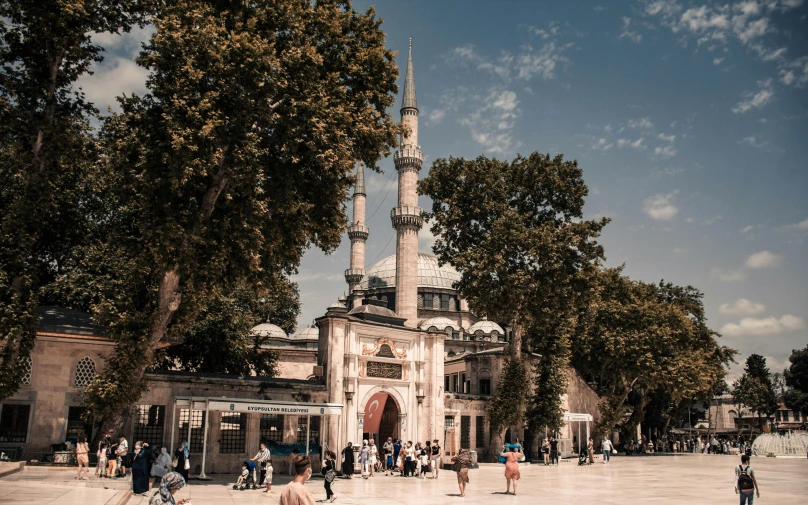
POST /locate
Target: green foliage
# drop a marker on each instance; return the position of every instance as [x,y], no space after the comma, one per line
[796,379]
[46,152]
[503,408]
[546,408]
[754,389]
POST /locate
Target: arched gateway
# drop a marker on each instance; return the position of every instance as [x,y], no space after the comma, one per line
[382,416]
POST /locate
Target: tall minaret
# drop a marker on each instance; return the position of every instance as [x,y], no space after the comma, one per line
[407,217]
[358,233]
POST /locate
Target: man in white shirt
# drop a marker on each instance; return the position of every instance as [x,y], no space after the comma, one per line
[262,458]
[122,452]
[606,447]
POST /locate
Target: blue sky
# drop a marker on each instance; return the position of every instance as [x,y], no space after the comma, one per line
[689,120]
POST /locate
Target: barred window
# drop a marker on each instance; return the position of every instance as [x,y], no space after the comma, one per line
[314,434]
[480,428]
[149,424]
[465,432]
[271,428]
[232,433]
[448,422]
[76,425]
[14,423]
[197,422]
[420,301]
[85,372]
[444,302]
[28,367]
[428,300]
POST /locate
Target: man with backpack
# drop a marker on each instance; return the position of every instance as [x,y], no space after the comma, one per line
[745,482]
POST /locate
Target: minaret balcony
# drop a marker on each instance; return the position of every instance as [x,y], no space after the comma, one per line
[358,232]
[354,275]
[408,156]
[407,216]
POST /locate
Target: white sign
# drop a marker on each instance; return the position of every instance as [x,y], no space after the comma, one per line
[276,408]
[568,416]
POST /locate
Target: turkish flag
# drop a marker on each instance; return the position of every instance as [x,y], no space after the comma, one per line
[373,412]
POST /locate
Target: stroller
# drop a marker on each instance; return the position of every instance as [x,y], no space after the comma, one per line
[251,481]
[583,457]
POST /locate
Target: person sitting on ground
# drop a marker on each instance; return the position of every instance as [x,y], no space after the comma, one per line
[295,493]
[171,483]
[745,483]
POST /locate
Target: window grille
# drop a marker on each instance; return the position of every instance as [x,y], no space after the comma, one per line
[444,302]
[28,367]
[448,422]
[196,442]
[85,372]
[480,428]
[465,432]
[14,423]
[420,301]
[149,424]
[271,428]
[76,425]
[384,370]
[428,303]
[232,433]
[314,433]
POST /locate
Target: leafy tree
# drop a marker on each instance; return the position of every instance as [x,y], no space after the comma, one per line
[46,152]
[219,341]
[515,233]
[510,391]
[796,379]
[237,160]
[754,389]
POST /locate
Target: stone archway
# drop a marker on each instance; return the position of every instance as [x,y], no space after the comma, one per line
[382,411]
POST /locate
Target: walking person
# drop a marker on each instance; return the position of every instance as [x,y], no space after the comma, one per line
[295,493]
[396,456]
[553,451]
[82,457]
[511,468]
[387,454]
[590,448]
[262,457]
[141,468]
[364,457]
[436,458]
[545,451]
[606,447]
[169,485]
[373,453]
[329,472]
[182,460]
[348,461]
[745,483]
[462,463]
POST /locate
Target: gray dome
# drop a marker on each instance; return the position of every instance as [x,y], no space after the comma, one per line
[268,330]
[439,323]
[487,327]
[430,275]
[337,305]
[308,333]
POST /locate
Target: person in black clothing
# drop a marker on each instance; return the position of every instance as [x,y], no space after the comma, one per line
[182,453]
[141,466]
[348,461]
[553,450]
[329,466]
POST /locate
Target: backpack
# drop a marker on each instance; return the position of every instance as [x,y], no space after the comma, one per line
[745,482]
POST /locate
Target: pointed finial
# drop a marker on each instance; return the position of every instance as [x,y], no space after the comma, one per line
[409,101]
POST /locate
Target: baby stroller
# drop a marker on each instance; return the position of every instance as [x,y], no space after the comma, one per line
[251,481]
[583,457]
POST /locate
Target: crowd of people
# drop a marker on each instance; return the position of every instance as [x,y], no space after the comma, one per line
[395,456]
[696,445]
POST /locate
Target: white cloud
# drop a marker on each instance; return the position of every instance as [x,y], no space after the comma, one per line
[637,144]
[742,307]
[795,72]
[628,34]
[111,78]
[755,99]
[643,123]
[661,206]
[425,238]
[667,151]
[717,61]
[747,229]
[750,326]
[764,259]
[541,61]
[752,141]
[801,226]
[493,119]
[728,275]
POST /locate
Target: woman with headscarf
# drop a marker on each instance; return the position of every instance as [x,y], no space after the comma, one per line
[348,461]
[163,460]
[171,483]
[462,463]
[140,468]
[182,454]
[364,456]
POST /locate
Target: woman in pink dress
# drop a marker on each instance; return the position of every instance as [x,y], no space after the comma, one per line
[511,467]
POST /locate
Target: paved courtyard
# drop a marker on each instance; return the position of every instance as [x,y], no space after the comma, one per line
[690,479]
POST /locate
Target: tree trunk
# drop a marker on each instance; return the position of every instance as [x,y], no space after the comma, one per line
[496,441]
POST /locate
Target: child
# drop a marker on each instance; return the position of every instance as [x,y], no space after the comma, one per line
[424,463]
[268,476]
[101,468]
[242,479]
[389,462]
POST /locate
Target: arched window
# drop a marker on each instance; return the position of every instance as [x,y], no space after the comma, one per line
[85,372]
[28,366]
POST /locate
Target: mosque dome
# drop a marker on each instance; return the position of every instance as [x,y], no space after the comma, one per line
[430,274]
[439,324]
[488,328]
[308,333]
[337,305]
[268,330]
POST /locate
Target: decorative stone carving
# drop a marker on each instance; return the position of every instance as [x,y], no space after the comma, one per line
[377,348]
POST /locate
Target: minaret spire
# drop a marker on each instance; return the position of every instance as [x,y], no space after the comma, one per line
[407,217]
[358,233]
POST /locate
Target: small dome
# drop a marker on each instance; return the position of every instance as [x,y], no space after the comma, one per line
[430,274]
[337,305]
[308,333]
[486,327]
[268,330]
[439,324]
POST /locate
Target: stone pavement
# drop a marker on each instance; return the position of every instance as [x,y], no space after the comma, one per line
[683,478]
